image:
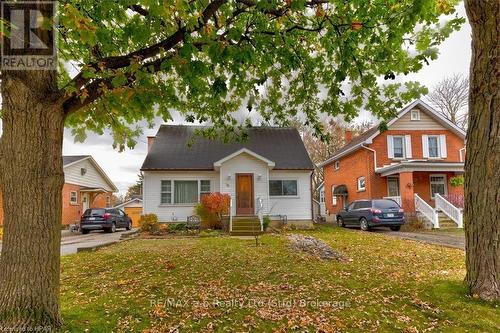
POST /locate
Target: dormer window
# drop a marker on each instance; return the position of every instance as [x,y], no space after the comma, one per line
[415,115]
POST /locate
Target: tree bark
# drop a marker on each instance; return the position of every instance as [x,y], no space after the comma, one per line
[482,166]
[31,180]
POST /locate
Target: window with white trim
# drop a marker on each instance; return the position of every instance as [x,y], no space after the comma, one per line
[334,197]
[166,192]
[204,188]
[398,146]
[73,198]
[322,196]
[438,185]
[433,144]
[337,165]
[415,115]
[361,184]
[185,191]
[279,188]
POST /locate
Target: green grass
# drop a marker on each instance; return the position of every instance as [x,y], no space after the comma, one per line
[390,285]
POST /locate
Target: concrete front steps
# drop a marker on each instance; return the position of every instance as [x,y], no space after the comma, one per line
[246,226]
[445,222]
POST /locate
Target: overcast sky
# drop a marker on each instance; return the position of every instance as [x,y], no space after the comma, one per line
[123,167]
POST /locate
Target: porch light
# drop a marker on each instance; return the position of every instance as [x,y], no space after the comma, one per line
[229,177]
[259,176]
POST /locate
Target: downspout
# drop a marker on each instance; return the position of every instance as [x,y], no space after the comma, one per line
[375,165]
[461,155]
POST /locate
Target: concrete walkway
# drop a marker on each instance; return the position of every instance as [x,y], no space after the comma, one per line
[76,242]
[453,238]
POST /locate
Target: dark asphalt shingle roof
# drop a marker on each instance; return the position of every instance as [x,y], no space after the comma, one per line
[73,158]
[170,149]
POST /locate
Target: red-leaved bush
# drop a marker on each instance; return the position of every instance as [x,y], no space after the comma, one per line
[212,208]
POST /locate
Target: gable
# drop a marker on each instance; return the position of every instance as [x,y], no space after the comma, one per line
[426,122]
[92,178]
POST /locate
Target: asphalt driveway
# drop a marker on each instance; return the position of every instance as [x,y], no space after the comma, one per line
[447,237]
[71,242]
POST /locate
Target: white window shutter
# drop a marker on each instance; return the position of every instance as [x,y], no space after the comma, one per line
[425,146]
[442,142]
[390,147]
[408,146]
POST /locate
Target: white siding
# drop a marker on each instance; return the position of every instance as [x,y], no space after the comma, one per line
[245,163]
[92,178]
[425,123]
[152,190]
[295,208]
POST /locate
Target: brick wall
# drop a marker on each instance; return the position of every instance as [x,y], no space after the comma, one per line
[353,166]
[453,143]
[71,212]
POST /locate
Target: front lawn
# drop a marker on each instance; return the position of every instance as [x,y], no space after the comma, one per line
[228,284]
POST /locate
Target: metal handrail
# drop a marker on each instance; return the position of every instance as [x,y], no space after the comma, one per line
[230,213]
[260,209]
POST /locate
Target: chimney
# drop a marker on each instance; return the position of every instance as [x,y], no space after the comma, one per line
[151,139]
[348,136]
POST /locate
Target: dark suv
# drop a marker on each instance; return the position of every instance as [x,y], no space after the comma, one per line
[107,219]
[372,213]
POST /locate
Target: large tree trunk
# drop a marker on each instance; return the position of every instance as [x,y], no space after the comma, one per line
[31,181]
[482,167]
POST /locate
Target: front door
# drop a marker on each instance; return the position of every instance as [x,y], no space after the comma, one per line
[85,201]
[244,194]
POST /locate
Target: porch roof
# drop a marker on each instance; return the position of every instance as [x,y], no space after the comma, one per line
[411,166]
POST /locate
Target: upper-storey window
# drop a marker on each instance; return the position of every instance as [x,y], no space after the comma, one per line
[434,146]
[399,146]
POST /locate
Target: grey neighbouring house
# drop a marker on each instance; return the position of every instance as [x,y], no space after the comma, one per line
[269,174]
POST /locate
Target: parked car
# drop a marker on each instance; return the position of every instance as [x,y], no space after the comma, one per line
[372,213]
[107,219]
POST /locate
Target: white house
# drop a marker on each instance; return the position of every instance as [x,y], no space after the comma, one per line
[269,174]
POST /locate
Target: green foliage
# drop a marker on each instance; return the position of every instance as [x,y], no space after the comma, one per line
[176,227]
[277,59]
[266,222]
[457,181]
[149,223]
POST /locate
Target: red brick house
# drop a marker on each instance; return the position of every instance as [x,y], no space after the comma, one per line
[86,185]
[411,161]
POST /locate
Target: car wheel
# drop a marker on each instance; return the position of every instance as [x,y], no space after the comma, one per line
[396,228]
[340,222]
[85,231]
[129,226]
[363,223]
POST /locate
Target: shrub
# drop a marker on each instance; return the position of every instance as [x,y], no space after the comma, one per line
[457,181]
[266,222]
[212,208]
[149,223]
[175,227]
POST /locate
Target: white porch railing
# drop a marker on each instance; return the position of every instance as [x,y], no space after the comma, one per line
[429,212]
[451,211]
[260,212]
[397,199]
[231,213]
